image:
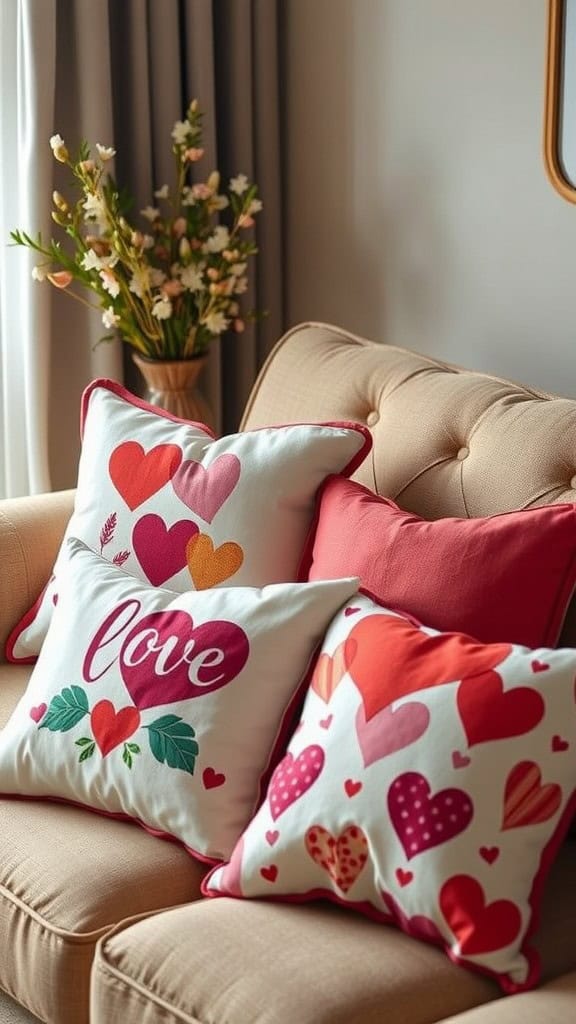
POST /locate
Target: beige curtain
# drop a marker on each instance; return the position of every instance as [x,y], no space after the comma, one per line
[120,72]
[224,52]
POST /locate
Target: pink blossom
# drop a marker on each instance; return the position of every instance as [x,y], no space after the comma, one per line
[193,154]
[60,279]
[172,288]
[179,227]
[201,191]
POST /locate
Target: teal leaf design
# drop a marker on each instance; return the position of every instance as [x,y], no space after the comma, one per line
[172,742]
[66,710]
[87,752]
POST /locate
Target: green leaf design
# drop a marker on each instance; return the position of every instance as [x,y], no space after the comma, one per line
[66,710]
[172,742]
[134,748]
[86,753]
[83,741]
[127,756]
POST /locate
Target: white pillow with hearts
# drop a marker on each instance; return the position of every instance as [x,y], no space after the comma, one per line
[172,505]
[164,708]
[429,784]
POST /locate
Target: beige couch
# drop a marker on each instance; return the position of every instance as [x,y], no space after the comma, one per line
[100,921]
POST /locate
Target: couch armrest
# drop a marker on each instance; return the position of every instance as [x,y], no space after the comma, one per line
[31,530]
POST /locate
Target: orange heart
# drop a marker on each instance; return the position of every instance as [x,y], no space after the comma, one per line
[343,858]
[209,566]
[393,658]
[330,670]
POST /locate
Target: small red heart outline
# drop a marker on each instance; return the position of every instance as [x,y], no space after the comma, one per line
[269,873]
[352,787]
[37,713]
[211,779]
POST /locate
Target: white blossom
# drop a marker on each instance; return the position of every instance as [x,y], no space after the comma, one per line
[91,261]
[95,208]
[239,184]
[150,212]
[255,206]
[39,272]
[162,193]
[219,202]
[180,132]
[216,323]
[157,277]
[139,282]
[110,283]
[105,152]
[241,285]
[238,269]
[110,318]
[192,278]
[162,308]
[219,240]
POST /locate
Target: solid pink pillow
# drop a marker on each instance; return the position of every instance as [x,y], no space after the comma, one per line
[507,577]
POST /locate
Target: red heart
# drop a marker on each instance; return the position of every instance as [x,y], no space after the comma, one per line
[391,657]
[137,474]
[352,787]
[479,927]
[558,744]
[212,779]
[526,801]
[270,873]
[111,727]
[489,853]
[404,877]
[539,666]
[489,713]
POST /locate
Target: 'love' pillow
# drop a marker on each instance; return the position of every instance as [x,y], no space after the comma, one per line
[172,505]
[505,577]
[428,785]
[164,708]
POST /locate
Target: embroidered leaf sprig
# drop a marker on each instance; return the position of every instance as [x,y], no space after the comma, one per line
[66,710]
[172,742]
[88,746]
[127,754]
[107,531]
[121,557]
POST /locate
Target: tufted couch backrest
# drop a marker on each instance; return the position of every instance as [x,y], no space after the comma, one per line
[447,441]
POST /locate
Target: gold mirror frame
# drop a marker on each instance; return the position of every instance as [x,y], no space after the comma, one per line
[554,82]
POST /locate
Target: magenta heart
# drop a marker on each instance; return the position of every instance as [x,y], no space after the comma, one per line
[37,713]
[161,551]
[166,658]
[204,490]
[293,777]
[390,730]
[422,821]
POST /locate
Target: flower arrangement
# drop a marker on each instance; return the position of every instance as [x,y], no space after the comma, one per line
[171,287]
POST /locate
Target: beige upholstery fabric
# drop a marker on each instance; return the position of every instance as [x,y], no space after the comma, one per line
[66,876]
[263,963]
[252,962]
[31,530]
[553,1004]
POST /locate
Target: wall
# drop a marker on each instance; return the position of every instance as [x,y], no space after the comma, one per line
[419,211]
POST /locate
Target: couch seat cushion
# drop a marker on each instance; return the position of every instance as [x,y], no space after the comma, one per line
[262,963]
[257,962]
[553,1003]
[67,876]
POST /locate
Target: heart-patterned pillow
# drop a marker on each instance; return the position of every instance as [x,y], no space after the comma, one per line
[428,784]
[172,505]
[164,708]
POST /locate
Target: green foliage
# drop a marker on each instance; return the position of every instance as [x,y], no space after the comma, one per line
[172,742]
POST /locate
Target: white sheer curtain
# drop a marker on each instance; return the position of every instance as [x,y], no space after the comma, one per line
[55,77]
[27,82]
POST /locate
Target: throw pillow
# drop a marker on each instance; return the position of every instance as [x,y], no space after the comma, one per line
[172,505]
[164,708]
[506,577]
[428,785]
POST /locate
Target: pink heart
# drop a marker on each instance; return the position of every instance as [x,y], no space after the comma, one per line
[390,730]
[325,723]
[352,788]
[293,777]
[422,821]
[204,490]
[161,551]
[460,760]
[37,713]
[272,836]
[165,658]
[211,779]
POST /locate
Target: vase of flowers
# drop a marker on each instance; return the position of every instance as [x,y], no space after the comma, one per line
[170,284]
[172,384]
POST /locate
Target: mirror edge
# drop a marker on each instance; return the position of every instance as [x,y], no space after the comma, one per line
[552,101]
